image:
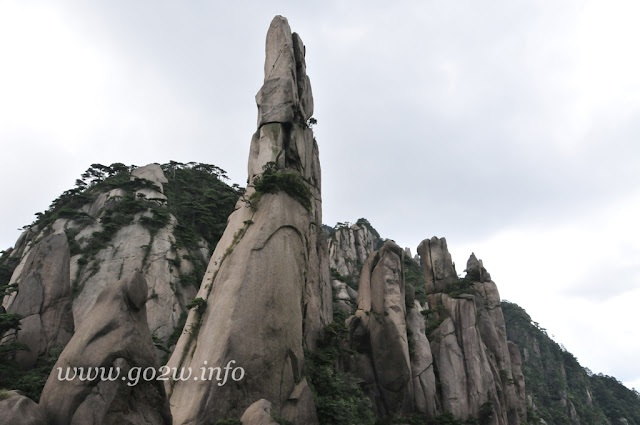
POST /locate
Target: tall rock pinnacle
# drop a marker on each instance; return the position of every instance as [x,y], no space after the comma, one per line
[266,293]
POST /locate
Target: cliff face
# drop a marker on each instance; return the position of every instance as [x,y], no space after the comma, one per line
[350,246]
[43,300]
[267,289]
[472,358]
[448,354]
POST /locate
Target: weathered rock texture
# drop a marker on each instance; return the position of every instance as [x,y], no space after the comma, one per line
[426,399]
[379,333]
[449,354]
[439,270]
[350,246]
[133,247]
[468,341]
[259,413]
[43,299]
[16,409]
[114,335]
[267,287]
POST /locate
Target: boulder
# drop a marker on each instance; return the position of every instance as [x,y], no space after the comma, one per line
[115,337]
[16,409]
[259,413]
[153,173]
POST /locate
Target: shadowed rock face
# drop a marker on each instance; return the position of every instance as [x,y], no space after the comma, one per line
[267,285]
[114,335]
[17,409]
[44,300]
[379,332]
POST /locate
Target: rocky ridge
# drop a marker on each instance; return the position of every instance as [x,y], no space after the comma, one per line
[402,340]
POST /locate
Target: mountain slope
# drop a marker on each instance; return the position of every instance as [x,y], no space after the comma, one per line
[559,390]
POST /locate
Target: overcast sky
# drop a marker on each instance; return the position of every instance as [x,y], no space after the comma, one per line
[510,128]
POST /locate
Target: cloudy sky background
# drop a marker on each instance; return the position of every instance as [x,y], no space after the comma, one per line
[510,128]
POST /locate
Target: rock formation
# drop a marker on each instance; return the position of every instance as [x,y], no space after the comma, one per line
[259,413]
[43,300]
[350,246]
[379,332]
[426,399]
[439,270]
[106,247]
[266,293]
[468,340]
[16,409]
[116,337]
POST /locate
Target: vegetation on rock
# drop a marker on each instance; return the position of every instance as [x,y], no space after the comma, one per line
[338,398]
[559,386]
[274,180]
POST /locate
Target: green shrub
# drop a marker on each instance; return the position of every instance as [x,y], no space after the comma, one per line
[280,420]
[459,287]
[339,400]
[274,180]
[198,303]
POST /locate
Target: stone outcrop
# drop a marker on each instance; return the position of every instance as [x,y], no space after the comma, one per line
[267,288]
[16,409]
[449,354]
[426,399]
[133,247]
[469,343]
[379,333]
[439,270]
[115,336]
[43,300]
[350,246]
[259,413]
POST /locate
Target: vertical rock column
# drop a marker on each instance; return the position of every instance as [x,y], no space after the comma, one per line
[379,333]
[468,340]
[267,288]
[44,300]
[438,268]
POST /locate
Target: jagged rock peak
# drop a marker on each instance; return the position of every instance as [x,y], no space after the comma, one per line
[438,268]
[476,271]
[286,93]
[350,246]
